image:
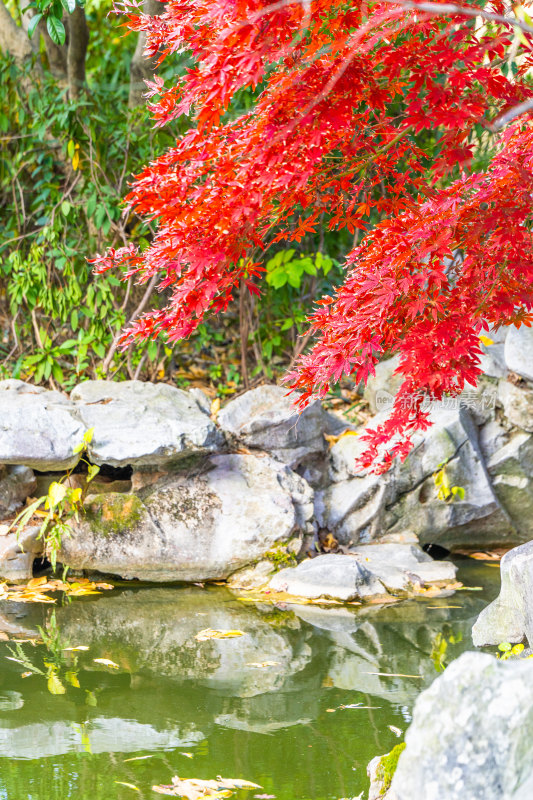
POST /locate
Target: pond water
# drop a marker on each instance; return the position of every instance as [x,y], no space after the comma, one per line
[266,706]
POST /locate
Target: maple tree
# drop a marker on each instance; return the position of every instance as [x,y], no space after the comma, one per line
[342,96]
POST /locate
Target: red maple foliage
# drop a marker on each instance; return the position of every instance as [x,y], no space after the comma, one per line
[342,91]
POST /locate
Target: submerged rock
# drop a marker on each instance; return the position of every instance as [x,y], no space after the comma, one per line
[138,423]
[38,428]
[471,734]
[16,484]
[369,572]
[189,527]
[266,419]
[509,618]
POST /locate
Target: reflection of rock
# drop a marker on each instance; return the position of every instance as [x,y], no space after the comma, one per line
[142,423]
[153,632]
[509,618]
[471,735]
[205,524]
[38,428]
[98,735]
[369,571]
[266,419]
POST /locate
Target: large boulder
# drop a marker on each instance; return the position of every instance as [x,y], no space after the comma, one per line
[369,571]
[205,524]
[519,351]
[509,618]
[16,484]
[142,424]
[476,519]
[266,419]
[471,734]
[38,428]
[511,470]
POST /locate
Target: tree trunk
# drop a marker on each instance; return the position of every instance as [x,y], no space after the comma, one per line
[142,68]
[13,39]
[78,39]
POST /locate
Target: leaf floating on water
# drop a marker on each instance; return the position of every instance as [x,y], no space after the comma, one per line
[137,758]
[357,705]
[261,664]
[396,731]
[264,796]
[129,785]
[209,633]
[187,755]
[27,674]
[106,662]
[75,649]
[194,789]
[393,675]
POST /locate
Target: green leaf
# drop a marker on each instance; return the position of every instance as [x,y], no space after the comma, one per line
[33,24]
[505,647]
[65,208]
[88,436]
[56,30]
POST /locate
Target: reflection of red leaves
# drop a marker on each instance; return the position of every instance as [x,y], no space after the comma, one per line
[330,138]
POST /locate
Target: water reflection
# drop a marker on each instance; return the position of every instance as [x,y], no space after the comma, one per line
[267,706]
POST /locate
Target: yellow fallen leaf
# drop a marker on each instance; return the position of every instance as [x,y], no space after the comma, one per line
[129,785]
[331,439]
[137,758]
[54,685]
[486,340]
[187,755]
[26,674]
[209,633]
[106,662]
[262,664]
[75,649]
[215,408]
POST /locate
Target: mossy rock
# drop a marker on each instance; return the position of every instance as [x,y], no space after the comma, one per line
[113,513]
[387,766]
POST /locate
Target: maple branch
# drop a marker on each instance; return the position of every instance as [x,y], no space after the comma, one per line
[513,112]
[443,9]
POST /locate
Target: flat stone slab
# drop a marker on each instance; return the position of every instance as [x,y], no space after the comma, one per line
[38,428]
[142,424]
[369,571]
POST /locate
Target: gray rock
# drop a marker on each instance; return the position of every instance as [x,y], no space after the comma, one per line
[331,576]
[142,423]
[492,436]
[517,402]
[188,527]
[478,519]
[381,388]
[38,428]
[18,552]
[353,510]
[16,484]
[266,419]
[471,734]
[493,362]
[509,618]
[399,566]
[511,470]
[368,571]
[519,351]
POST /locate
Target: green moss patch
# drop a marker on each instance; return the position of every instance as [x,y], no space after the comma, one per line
[113,513]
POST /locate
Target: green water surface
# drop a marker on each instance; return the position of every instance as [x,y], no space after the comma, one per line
[265,707]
